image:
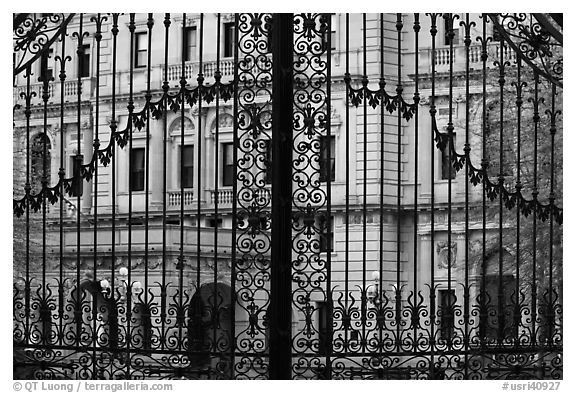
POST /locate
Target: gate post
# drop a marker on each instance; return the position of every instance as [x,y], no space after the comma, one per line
[279,311]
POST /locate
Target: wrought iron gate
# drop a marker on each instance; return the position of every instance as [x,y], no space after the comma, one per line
[313,196]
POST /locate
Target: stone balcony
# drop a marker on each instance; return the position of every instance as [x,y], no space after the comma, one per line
[442,60]
[55,92]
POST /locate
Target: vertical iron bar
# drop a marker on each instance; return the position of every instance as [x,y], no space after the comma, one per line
[234,199]
[217,77]
[128,284]
[536,119]
[200,87]
[330,239]
[467,42]
[61,176]
[483,297]
[364,185]
[451,149]
[399,90]
[180,265]
[281,253]
[433,31]
[416,216]
[382,88]
[43,311]
[501,82]
[113,130]
[148,97]
[550,310]
[27,188]
[165,89]
[347,207]
[96,144]
[518,194]
[78,183]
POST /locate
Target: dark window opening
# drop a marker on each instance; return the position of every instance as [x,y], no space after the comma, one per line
[448,171]
[85,62]
[228,164]
[447,302]
[326,234]
[190,44]
[267,161]
[141,49]
[327,165]
[215,223]
[187,176]
[137,169]
[46,70]
[76,189]
[450,24]
[322,328]
[229,39]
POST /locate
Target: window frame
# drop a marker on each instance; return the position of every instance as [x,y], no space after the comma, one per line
[138,173]
[84,70]
[46,72]
[227,154]
[188,168]
[323,158]
[191,43]
[447,171]
[138,38]
[229,38]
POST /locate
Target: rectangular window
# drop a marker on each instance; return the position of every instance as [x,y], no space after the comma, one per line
[214,222]
[46,71]
[448,171]
[327,166]
[85,62]
[228,164]
[190,44]
[141,48]
[448,25]
[326,234]
[447,302]
[322,327]
[268,161]
[76,189]
[187,157]
[137,169]
[229,39]
[333,32]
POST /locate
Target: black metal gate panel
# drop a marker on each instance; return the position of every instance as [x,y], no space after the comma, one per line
[276,196]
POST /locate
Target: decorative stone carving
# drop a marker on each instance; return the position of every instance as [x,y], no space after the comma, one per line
[442,251]
[176,125]
[225,120]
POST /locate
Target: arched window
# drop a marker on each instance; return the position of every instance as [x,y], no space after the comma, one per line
[38,161]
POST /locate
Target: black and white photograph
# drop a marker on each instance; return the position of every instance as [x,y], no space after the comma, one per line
[281,196]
